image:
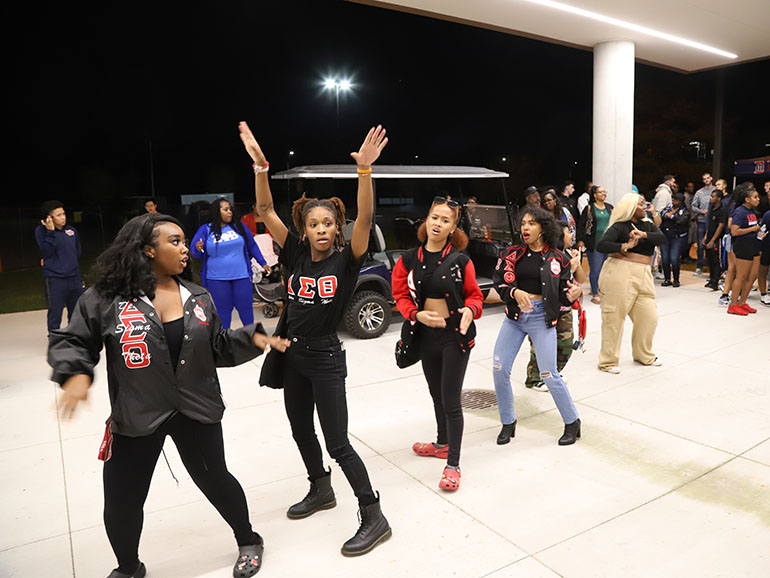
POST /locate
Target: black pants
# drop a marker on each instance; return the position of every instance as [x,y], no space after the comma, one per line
[712,256]
[61,292]
[315,372]
[444,367]
[128,472]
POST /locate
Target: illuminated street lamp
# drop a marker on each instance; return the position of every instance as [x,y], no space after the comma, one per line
[337,85]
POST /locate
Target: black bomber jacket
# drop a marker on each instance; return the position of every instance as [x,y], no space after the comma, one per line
[144,389]
[555,271]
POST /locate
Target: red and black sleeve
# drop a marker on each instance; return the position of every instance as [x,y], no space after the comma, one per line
[400,287]
[474,299]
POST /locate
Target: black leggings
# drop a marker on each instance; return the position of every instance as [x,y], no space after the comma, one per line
[128,472]
[444,367]
[712,256]
[314,377]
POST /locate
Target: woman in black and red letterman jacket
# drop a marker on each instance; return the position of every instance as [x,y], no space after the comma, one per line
[436,291]
[534,280]
[163,341]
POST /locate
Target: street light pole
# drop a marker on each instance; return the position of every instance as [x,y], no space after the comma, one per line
[338,85]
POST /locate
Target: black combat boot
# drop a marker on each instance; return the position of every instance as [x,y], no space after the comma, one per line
[320,497]
[374,530]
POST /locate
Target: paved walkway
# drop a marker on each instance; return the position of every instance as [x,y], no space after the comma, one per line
[671,477]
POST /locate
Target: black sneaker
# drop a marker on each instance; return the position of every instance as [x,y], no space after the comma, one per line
[666,283]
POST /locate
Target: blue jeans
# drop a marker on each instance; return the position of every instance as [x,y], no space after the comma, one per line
[671,255]
[595,262]
[508,343]
[702,228]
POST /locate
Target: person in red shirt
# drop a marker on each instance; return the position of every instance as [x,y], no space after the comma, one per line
[253,222]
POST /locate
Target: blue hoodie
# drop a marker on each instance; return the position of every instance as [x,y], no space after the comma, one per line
[61,249]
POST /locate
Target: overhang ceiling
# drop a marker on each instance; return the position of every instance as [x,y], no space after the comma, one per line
[737,26]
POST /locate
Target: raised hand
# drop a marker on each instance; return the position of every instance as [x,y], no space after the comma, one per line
[252,147]
[48,223]
[371,148]
[465,322]
[574,261]
[431,319]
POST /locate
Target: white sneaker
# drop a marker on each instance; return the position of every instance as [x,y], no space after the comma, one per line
[765,299]
[659,275]
[540,387]
[724,301]
[656,362]
[614,369]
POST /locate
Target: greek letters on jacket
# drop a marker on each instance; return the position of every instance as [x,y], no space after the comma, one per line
[555,271]
[144,388]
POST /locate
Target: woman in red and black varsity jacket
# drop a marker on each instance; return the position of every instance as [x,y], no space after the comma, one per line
[436,291]
[163,341]
[534,280]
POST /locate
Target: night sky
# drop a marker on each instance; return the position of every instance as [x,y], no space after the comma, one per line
[94,88]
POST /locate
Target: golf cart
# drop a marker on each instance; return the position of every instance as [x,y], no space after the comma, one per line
[403,195]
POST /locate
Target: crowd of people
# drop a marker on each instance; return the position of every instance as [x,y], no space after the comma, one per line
[164,336]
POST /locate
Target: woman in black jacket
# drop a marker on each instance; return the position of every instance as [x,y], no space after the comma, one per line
[534,280]
[675,226]
[626,285]
[593,222]
[163,341]
[436,291]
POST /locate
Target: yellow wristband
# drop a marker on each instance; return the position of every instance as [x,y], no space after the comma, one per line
[364,171]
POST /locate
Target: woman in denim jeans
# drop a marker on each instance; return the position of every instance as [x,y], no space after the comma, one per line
[593,222]
[675,225]
[534,280]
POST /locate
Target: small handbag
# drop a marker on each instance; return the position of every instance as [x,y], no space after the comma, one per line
[406,353]
[273,367]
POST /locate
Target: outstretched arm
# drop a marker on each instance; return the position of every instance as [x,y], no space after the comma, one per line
[264,197]
[369,152]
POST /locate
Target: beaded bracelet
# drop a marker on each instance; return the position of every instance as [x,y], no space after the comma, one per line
[262,169]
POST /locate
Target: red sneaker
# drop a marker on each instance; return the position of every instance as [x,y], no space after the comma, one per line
[430,450]
[450,479]
[737,310]
[748,308]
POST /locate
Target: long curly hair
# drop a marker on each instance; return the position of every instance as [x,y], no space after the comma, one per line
[303,206]
[123,269]
[551,229]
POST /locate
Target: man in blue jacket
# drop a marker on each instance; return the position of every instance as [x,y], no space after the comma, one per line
[60,246]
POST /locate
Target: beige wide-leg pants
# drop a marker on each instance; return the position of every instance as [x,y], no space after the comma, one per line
[627,288]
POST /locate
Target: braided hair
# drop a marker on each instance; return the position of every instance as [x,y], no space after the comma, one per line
[303,206]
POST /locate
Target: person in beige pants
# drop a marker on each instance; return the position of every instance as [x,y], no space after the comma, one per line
[626,286]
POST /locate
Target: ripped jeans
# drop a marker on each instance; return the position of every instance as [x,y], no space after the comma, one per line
[508,343]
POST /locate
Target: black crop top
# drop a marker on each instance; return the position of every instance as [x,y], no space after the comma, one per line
[431,289]
[619,233]
[528,272]
[174,331]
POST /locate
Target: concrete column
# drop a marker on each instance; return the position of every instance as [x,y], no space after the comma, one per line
[613,140]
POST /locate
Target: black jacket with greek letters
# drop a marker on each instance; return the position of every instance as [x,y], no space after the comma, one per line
[554,273]
[144,389]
